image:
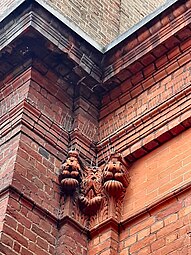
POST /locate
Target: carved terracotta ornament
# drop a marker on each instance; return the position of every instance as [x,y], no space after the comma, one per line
[70,175]
[115,175]
[90,198]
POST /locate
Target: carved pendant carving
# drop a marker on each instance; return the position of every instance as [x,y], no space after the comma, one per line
[70,172]
[115,175]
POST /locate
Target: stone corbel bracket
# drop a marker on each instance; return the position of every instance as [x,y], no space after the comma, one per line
[82,183]
[115,175]
[115,180]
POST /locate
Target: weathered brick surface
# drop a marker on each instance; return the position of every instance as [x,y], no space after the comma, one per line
[7,161]
[30,161]
[13,91]
[49,95]
[35,174]
[3,208]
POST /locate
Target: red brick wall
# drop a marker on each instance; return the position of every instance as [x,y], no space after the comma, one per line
[129,114]
[3,207]
[35,174]
[163,230]
[36,114]
[156,217]
[26,230]
[105,242]
[71,241]
[13,91]
[34,110]
[30,162]
[147,89]
[7,160]
[158,174]
[33,146]
[51,96]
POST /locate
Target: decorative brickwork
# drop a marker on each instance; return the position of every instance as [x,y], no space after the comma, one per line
[91,196]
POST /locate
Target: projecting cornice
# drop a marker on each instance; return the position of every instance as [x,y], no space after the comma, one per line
[34,25]
[98,64]
[80,32]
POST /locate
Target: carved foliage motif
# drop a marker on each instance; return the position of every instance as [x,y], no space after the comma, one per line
[91,196]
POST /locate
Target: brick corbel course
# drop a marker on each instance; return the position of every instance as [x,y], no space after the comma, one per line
[140,137]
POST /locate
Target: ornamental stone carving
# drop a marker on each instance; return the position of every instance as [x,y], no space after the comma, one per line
[99,190]
[115,175]
[70,172]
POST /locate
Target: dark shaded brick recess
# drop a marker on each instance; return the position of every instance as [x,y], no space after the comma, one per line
[57,93]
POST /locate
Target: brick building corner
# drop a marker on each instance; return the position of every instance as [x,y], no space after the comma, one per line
[95,141]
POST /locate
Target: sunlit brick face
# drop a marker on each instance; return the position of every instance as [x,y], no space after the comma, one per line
[105,20]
